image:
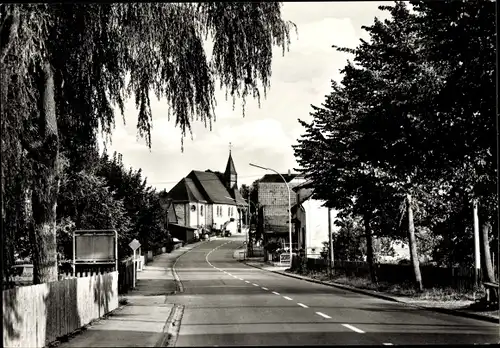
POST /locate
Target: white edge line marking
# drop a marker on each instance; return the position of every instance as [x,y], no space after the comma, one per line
[324,315]
[276,293]
[287,298]
[302,305]
[353,328]
[263,288]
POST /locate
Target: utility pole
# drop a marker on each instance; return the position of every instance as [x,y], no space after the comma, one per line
[330,239]
[477,255]
[248,225]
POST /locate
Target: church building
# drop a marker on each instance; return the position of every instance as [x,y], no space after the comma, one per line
[209,200]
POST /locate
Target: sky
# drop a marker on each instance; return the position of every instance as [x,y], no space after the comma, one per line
[265,135]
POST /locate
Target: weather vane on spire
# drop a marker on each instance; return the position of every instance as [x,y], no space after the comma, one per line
[230,147]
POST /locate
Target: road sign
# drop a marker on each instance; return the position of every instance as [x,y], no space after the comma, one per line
[134,244]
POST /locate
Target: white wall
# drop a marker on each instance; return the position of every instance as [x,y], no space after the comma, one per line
[317,225]
[219,220]
[197,220]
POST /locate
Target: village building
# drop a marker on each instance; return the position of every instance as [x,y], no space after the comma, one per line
[311,220]
[206,201]
[273,208]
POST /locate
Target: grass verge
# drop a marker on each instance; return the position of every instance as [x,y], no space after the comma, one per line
[400,290]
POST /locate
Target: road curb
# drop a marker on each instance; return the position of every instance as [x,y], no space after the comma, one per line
[386,297]
[178,282]
[172,327]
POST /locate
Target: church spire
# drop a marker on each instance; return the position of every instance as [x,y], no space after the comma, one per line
[230,175]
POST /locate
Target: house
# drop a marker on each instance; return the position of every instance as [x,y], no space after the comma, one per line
[208,200]
[273,207]
[174,228]
[311,220]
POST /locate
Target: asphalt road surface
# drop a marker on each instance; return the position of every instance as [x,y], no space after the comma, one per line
[228,303]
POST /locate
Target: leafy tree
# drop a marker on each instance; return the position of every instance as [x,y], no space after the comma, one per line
[131,188]
[459,43]
[85,202]
[76,61]
[328,155]
[390,120]
[347,244]
[250,192]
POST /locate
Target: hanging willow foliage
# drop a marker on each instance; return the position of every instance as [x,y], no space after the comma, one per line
[96,56]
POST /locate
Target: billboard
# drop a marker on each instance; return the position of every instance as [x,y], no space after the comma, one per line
[95,246]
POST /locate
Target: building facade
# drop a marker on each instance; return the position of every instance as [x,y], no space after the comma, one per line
[273,207]
[208,200]
[311,221]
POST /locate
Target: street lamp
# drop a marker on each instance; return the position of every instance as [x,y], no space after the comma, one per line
[289,206]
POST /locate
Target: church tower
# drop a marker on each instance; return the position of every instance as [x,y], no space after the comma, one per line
[230,176]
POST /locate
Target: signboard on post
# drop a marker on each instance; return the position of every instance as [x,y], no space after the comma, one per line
[285,258]
[96,247]
[134,245]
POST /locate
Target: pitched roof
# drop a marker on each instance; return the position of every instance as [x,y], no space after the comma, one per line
[307,184]
[277,178]
[211,187]
[230,169]
[186,191]
[235,193]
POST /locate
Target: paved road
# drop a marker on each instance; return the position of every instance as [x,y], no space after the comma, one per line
[228,303]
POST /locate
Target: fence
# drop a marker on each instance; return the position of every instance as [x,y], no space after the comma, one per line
[459,278]
[125,272]
[36,315]
[126,275]
[256,252]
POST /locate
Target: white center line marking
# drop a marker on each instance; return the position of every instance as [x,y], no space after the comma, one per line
[255,284]
[302,305]
[240,278]
[353,328]
[287,298]
[276,293]
[323,315]
[246,281]
[387,344]
[263,288]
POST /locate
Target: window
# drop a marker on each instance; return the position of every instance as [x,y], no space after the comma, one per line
[228,211]
[193,207]
[201,210]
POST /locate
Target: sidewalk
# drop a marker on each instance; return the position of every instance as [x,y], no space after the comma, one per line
[428,305]
[142,322]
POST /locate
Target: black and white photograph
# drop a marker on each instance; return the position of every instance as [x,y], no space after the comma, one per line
[209,174]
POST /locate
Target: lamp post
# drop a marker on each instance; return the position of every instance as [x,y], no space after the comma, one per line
[289,206]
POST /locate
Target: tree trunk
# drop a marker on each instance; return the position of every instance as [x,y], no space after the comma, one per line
[46,186]
[413,244]
[369,248]
[486,252]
